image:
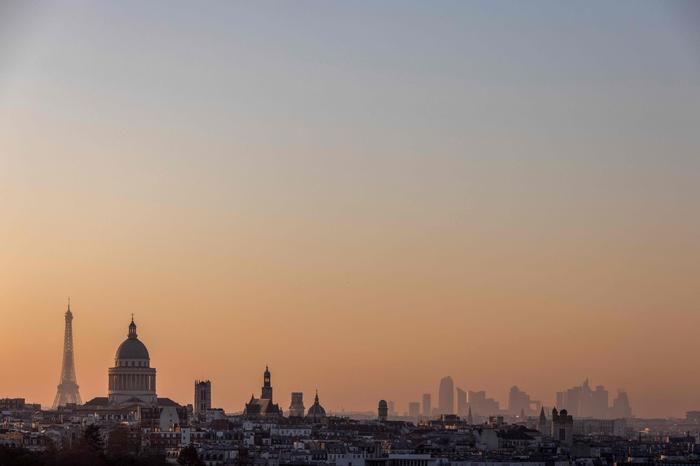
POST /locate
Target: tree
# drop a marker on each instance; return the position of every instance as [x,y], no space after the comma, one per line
[92,438]
[118,440]
[189,457]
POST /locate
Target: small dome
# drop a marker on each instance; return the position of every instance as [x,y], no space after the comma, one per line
[316,411]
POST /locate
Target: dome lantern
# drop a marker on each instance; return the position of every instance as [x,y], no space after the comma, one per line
[132,328]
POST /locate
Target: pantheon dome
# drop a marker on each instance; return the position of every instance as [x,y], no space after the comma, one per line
[132,379]
[132,348]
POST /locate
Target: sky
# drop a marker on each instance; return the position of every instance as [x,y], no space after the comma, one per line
[365,196]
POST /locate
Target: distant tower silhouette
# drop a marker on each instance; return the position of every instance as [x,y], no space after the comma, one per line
[296,409]
[427,408]
[446,396]
[543,422]
[383,410]
[267,386]
[202,397]
[68,388]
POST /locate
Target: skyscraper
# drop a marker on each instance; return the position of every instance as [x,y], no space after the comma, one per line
[600,403]
[621,408]
[427,405]
[68,387]
[520,403]
[414,409]
[481,405]
[582,401]
[446,396]
[461,402]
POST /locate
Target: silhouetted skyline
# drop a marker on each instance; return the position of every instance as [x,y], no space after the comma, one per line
[367,196]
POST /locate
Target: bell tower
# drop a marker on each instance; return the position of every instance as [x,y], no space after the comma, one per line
[267,387]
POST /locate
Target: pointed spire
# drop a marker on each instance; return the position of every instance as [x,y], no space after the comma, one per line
[68,312]
[316,398]
[543,417]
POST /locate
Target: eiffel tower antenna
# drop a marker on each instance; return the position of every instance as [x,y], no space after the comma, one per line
[68,387]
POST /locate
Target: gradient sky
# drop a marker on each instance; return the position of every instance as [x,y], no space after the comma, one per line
[366,196]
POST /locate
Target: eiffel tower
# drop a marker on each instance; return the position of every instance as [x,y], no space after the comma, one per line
[68,388]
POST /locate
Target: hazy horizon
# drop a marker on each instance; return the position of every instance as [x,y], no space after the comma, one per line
[364,196]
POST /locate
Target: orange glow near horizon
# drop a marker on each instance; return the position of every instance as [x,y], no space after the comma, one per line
[363,200]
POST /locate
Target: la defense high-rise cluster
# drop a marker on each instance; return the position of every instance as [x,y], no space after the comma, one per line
[581,401]
[584,401]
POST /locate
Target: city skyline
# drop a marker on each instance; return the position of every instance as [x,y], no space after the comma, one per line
[446,392]
[367,197]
